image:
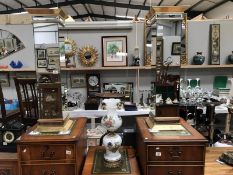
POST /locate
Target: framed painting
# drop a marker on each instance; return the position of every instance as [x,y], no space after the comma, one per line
[77,81]
[176,48]
[5,79]
[42,63]
[41,54]
[114,50]
[53,51]
[214,44]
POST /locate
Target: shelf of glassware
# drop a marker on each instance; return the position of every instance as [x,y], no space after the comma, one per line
[206,66]
[109,68]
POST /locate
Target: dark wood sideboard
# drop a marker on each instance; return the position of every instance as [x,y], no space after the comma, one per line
[8,163]
[53,154]
[170,155]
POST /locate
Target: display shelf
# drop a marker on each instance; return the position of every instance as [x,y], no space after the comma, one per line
[109,68]
[18,70]
[206,66]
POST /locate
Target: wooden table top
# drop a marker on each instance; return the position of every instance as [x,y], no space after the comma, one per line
[214,168]
[87,169]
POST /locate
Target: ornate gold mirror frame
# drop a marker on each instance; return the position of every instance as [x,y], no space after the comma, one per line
[70,48]
[150,19]
[88,55]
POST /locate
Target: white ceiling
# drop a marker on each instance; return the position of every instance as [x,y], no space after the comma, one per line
[101,10]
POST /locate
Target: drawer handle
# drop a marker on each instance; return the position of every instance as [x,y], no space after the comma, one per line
[178,173]
[175,154]
[170,172]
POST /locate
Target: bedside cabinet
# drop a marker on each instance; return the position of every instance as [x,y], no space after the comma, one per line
[170,152]
[53,154]
[8,163]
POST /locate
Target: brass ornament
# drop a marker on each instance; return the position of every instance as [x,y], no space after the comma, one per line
[88,55]
[70,48]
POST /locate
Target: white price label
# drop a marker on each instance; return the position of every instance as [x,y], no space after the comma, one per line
[158,154]
[68,152]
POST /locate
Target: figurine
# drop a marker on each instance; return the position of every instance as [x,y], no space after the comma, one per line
[168,101]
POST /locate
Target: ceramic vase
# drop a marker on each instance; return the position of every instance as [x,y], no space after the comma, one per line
[230,58]
[198,59]
[112,141]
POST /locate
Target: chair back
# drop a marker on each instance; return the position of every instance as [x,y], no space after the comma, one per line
[3,108]
[28,101]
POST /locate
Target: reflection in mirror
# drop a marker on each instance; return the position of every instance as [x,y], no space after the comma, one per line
[9,44]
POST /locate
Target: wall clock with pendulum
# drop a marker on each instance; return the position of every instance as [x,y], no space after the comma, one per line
[93,84]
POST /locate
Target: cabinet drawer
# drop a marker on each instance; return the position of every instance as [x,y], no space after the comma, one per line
[46,152]
[49,169]
[175,153]
[175,170]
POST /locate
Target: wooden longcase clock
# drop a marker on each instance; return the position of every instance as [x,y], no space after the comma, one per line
[93,84]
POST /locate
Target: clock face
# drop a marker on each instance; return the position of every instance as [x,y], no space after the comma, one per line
[93,80]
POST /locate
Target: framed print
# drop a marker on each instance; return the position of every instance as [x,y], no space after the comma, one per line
[5,79]
[9,44]
[53,51]
[114,50]
[42,63]
[77,81]
[41,54]
[215,44]
[122,88]
[176,48]
[52,60]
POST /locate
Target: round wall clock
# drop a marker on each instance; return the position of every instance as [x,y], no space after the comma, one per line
[88,55]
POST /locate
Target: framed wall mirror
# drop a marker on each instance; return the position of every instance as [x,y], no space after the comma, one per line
[166,25]
[9,44]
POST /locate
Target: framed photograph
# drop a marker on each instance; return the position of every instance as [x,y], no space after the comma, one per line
[41,54]
[77,81]
[114,50]
[53,51]
[9,44]
[215,44]
[5,79]
[42,63]
[176,48]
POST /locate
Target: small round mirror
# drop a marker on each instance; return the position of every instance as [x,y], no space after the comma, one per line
[88,55]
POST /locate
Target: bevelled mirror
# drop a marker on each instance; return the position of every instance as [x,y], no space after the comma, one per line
[9,44]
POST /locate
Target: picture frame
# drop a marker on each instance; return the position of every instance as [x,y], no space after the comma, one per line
[114,51]
[5,79]
[214,44]
[120,87]
[42,63]
[53,60]
[1,44]
[77,81]
[53,51]
[8,42]
[176,48]
[41,54]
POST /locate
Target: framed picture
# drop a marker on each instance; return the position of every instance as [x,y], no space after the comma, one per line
[176,48]
[52,60]
[42,63]
[215,44]
[53,51]
[41,54]
[1,44]
[122,88]
[5,79]
[9,44]
[77,81]
[114,50]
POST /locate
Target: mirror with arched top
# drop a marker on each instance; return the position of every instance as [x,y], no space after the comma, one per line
[9,43]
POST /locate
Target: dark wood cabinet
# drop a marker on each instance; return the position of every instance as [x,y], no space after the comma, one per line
[53,154]
[170,154]
[8,164]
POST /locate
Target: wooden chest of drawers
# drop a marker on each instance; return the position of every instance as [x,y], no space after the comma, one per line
[170,155]
[8,163]
[54,154]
